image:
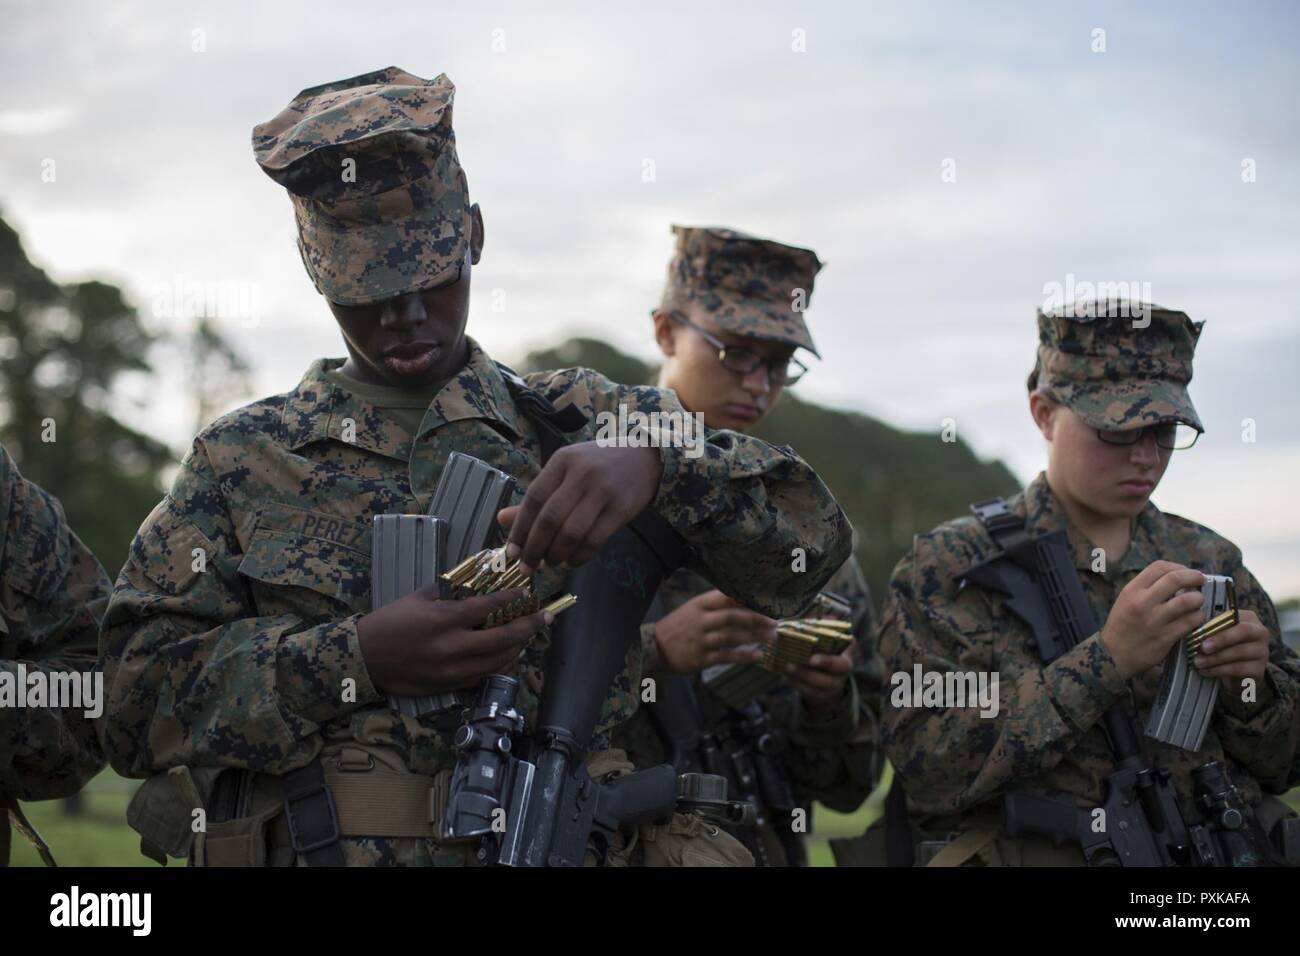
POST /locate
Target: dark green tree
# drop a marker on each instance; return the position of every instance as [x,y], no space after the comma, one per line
[218,375]
[62,350]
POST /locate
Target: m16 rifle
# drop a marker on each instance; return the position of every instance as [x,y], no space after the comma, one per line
[543,809]
[1142,821]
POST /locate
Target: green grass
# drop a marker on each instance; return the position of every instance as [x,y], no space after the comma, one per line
[99,836]
[829,825]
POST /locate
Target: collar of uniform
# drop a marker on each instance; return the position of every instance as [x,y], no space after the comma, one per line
[319,409]
[477,391]
[1146,544]
[307,408]
[1044,514]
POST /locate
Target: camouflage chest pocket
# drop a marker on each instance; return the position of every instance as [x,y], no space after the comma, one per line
[970,635]
[1015,649]
[309,563]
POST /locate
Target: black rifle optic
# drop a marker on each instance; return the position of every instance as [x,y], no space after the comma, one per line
[1144,822]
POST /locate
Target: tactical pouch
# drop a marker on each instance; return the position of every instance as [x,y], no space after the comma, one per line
[871,848]
[1286,840]
[238,842]
[1282,825]
[865,850]
[162,810]
[690,840]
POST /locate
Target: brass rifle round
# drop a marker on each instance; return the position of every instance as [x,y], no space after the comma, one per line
[562,603]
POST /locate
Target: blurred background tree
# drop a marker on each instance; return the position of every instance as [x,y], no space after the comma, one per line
[62,350]
[220,375]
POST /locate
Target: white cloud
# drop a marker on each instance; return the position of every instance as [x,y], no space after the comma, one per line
[1122,165]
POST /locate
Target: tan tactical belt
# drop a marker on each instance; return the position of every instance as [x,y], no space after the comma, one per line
[374,799]
[374,796]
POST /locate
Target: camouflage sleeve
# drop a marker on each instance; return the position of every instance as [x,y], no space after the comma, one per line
[195,677]
[952,759]
[1262,734]
[765,528]
[650,662]
[53,594]
[836,759]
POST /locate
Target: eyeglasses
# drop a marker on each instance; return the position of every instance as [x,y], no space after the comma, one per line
[744,361]
[1169,435]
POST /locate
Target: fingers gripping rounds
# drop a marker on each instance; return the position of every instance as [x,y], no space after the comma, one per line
[468,648]
[557,515]
[533,520]
[582,496]
[733,626]
[1159,607]
[798,640]
[488,574]
[1173,580]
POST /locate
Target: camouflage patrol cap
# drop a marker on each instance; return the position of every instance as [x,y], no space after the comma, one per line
[396,218]
[1118,364]
[750,286]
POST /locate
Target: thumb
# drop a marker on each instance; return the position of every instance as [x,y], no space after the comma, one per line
[506,516]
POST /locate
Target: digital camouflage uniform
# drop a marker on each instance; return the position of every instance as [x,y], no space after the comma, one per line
[241,663]
[749,286]
[832,758]
[1047,736]
[52,594]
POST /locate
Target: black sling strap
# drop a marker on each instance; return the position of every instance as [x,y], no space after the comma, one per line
[312,816]
[1053,606]
[553,424]
[1008,532]
[900,841]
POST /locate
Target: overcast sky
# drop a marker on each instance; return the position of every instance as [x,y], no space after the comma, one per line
[1160,151]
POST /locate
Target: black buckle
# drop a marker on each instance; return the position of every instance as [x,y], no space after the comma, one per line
[312,816]
[1007,531]
[994,514]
